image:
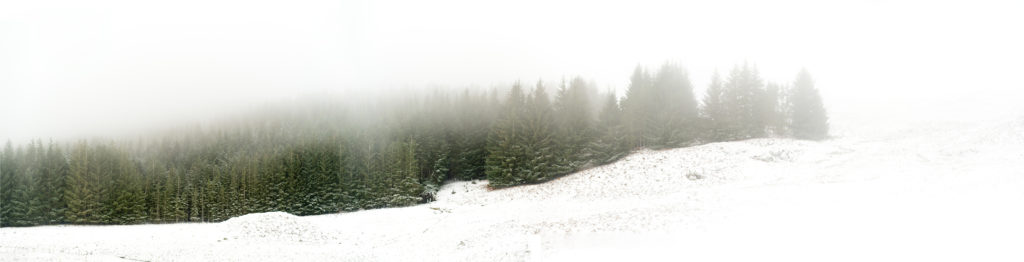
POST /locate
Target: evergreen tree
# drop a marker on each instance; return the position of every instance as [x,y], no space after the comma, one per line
[83,190]
[772,110]
[52,185]
[505,142]
[611,143]
[128,204]
[673,107]
[636,108]
[8,182]
[809,118]
[471,142]
[742,95]
[541,161]
[715,110]
[403,188]
[576,129]
[320,157]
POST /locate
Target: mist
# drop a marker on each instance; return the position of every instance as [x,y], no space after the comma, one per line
[72,69]
[459,130]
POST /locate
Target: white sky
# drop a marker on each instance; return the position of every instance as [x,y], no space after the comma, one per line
[105,67]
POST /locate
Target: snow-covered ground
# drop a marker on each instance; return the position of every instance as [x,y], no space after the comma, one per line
[950,190]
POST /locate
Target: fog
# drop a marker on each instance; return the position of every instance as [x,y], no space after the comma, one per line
[73,69]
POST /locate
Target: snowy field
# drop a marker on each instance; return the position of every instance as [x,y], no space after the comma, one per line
[948,190]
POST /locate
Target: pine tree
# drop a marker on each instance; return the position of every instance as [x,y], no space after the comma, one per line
[470,146]
[611,143]
[771,110]
[83,191]
[505,146]
[16,198]
[320,158]
[8,182]
[404,189]
[741,96]
[576,119]
[541,161]
[809,118]
[673,106]
[715,110]
[636,108]
[52,185]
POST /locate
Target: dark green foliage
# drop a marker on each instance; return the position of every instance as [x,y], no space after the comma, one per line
[505,152]
[533,142]
[541,157]
[574,113]
[324,157]
[52,184]
[9,181]
[83,192]
[611,143]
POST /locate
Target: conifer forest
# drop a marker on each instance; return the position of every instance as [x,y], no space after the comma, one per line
[324,156]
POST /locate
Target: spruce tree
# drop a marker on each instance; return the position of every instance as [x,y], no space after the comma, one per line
[541,161]
[576,119]
[741,95]
[772,110]
[505,142]
[809,118]
[636,108]
[715,110]
[673,106]
[52,185]
[83,190]
[611,143]
[8,183]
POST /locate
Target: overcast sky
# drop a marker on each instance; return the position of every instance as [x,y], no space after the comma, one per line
[104,67]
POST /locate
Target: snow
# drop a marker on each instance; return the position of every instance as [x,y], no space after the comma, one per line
[278,226]
[947,190]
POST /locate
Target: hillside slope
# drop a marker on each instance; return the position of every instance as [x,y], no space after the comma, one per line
[948,191]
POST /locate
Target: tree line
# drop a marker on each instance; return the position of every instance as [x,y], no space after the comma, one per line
[322,157]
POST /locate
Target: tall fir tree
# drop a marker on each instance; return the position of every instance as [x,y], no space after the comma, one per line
[576,123]
[742,93]
[673,106]
[541,155]
[53,184]
[809,118]
[8,182]
[715,110]
[611,143]
[505,147]
[636,108]
[772,110]
[84,188]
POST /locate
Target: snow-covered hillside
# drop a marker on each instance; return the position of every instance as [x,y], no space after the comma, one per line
[939,191]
